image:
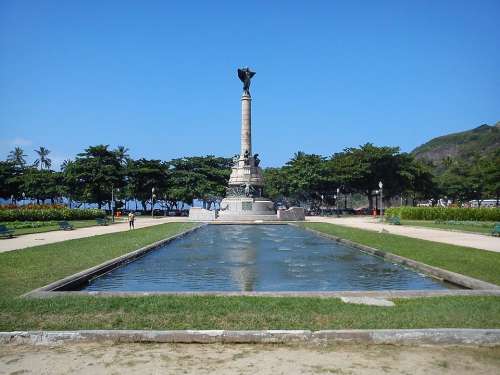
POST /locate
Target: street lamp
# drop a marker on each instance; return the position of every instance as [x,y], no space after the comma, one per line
[112,204]
[380,185]
[152,202]
[338,195]
[336,202]
[24,196]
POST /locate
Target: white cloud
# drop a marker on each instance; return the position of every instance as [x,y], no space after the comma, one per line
[18,141]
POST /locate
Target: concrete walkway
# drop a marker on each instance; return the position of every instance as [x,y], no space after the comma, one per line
[36,239]
[478,241]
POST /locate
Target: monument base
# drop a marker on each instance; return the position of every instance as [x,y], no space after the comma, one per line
[201,214]
[247,209]
[238,210]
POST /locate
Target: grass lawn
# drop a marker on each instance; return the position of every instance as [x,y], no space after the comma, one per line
[480,264]
[481,227]
[48,226]
[27,269]
[208,312]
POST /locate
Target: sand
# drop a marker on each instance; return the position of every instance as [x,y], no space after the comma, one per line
[125,359]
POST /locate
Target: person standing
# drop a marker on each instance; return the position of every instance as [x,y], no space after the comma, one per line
[131,218]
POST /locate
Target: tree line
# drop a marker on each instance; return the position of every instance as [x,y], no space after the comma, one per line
[318,180]
[99,171]
[307,179]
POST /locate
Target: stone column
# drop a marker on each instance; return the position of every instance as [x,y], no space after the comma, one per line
[246,124]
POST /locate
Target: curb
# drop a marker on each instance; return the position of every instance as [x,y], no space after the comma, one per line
[451,336]
[388,294]
[82,276]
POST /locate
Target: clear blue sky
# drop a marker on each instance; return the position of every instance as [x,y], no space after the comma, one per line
[160,77]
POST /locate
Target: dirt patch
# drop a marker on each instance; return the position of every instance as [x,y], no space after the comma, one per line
[246,359]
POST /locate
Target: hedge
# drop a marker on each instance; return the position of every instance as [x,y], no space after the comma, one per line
[32,206]
[445,213]
[48,214]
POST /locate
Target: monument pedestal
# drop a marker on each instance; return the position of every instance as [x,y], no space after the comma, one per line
[244,200]
[247,209]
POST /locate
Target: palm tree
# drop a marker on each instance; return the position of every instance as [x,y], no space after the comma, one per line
[65,164]
[17,157]
[43,159]
[122,154]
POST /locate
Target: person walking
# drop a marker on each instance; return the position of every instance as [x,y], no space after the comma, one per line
[131,218]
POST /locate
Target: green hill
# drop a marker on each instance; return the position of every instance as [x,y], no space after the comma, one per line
[461,146]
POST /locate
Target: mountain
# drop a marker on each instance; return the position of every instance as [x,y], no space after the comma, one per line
[461,146]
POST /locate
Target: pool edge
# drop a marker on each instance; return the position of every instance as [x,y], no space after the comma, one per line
[474,287]
[82,276]
[439,273]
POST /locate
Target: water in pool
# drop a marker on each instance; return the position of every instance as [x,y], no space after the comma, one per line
[259,258]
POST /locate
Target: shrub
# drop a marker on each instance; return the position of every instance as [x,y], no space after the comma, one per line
[445,213]
[32,206]
[48,214]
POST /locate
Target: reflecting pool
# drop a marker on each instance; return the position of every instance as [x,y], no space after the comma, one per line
[259,258]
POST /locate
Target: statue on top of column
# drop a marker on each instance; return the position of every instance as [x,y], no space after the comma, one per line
[245,75]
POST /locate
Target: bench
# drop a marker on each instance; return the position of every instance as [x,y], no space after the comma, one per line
[395,220]
[64,225]
[6,232]
[102,221]
[496,230]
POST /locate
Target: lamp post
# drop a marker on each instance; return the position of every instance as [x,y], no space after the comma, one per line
[380,185]
[152,202]
[24,196]
[112,203]
[336,202]
[336,205]
[165,205]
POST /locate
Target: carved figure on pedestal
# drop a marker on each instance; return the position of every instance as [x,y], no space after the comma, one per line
[256,160]
[243,190]
[246,157]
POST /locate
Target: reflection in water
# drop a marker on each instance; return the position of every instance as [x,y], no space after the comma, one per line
[242,255]
[260,258]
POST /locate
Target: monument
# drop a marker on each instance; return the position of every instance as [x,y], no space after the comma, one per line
[244,195]
[244,200]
